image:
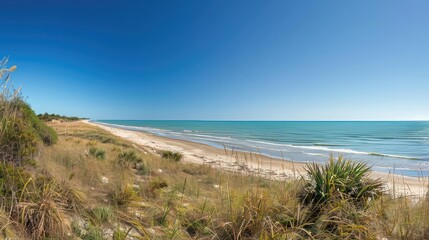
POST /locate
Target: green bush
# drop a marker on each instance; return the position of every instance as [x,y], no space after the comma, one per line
[175,156]
[12,180]
[20,129]
[49,117]
[46,133]
[18,140]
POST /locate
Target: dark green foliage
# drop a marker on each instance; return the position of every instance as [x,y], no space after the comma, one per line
[49,117]
[20,129]
[46,133]
[339,179]
[97,153]
[18,140]
[175,156]
[12,180]
[337,195]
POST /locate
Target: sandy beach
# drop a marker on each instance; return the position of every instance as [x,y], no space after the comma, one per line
[250,163]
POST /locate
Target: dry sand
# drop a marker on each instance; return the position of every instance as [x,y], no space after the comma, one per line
[250,163]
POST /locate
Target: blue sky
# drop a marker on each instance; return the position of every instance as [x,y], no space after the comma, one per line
[231,60]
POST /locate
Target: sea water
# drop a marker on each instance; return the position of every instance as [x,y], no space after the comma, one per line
[400,147]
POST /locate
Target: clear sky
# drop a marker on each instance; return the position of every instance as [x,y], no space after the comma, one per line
[215,59]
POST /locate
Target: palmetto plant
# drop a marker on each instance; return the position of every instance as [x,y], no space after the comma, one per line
[129,158]
[339,178]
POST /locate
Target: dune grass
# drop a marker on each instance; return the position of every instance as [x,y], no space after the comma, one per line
[174,156]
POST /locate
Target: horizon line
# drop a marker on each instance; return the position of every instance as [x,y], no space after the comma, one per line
[249,120]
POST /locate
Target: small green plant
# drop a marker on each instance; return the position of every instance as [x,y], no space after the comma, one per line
[175,156]
[97,153]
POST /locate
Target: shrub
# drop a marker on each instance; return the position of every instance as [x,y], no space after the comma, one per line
[17,140]
[175,156]
[97,153]
[45,133]
[49,117]
[339,179]
[20,129]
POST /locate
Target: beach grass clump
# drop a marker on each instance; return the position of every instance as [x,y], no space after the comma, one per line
[157,183]
[38,203]
[97,153]
[170,155]
[102,215]
[93,233]
[43,211]
[337,195]
[129,159]
[402,217]
[342,179]
[123,196]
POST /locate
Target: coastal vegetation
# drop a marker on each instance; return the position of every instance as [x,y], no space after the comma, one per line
[56,117]
[72,180]
[175,156]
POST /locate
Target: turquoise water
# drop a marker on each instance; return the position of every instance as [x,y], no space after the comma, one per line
[400,147]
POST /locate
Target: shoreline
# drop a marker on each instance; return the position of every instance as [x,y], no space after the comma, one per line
[249,163]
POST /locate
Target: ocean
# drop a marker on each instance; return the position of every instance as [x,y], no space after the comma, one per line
[400,147]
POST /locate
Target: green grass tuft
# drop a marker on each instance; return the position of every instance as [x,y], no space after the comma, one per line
[97,153]
[175,156]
